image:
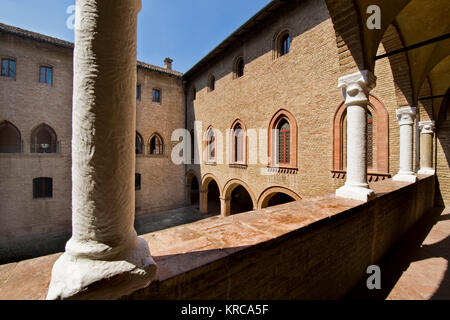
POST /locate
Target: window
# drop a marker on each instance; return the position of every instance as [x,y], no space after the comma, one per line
[239,68]
[212,83]
[285,44]
[156,95]
[10,138]
[139,144]
[137,181]
[9,68]
[284,142]
[211,146]
[43,140]
[42,188]
[46,75]
[238,143]
[156,145]
[138,92]
[377,137]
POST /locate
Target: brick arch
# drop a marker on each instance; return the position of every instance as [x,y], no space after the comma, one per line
[277,117]
[233,184]
[231,147]
[10,144]
[382,136]
[207,178]
[267,194]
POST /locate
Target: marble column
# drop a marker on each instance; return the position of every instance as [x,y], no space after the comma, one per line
[104,259]
[225,206]
[355,89]
[405,117]
[426,147]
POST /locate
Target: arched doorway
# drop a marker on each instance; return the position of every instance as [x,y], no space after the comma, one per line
[213,198]
[194,194]
[274,196]
[241,201]
[279,198]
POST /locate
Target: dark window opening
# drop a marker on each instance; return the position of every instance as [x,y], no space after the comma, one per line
[138,92]
[156,145]
[285,44]
[212,83]
[194,94]
[43,140]
[213,198]
[240,68]
[42,188]
[139,144]
[46,75]
[9,68]
[137,181]
[156,95]
[10,138]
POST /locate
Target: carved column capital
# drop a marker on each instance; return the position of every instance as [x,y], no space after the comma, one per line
[356,87]
[406,115]
[427,126]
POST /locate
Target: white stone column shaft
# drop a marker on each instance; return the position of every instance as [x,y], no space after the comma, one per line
[355,88]
[405,117]
[426,147]
[104,249]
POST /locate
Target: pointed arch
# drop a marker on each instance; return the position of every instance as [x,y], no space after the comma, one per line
[156,144]
[211,145]
[140,145]
[43,139]
[10,138]
[238,143]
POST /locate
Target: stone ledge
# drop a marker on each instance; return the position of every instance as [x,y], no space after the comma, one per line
[191,248]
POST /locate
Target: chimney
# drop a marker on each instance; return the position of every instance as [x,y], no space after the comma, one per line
[168,63]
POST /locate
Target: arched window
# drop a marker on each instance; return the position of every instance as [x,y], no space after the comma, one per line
[139,144]
[239,67]
[377,138]
[283,140]
[10,138]
[285,44]
[43,140]
[212,83]
[211,146]
[156,145]
[238,143]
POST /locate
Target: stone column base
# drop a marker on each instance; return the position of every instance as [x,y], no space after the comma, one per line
[356,193]
[427,171]
[405,177]
[80,278]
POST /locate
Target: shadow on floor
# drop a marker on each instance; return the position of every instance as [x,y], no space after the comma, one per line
[408,250]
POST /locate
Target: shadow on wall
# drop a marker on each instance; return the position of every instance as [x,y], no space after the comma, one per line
[403,254]
[442,160]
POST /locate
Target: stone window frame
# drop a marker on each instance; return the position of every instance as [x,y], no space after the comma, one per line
[47,66]
[232,144]
[277,45]
[236,62]
[381,135]
[211,83]
[10,58]
[276,118]
[160,95]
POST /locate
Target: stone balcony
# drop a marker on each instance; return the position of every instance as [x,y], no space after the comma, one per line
[315,248]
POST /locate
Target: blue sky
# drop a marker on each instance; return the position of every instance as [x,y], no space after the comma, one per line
[185,30]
